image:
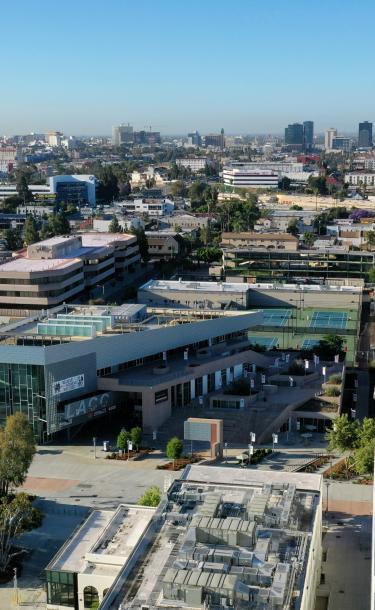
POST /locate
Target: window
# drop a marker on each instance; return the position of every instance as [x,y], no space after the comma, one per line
[161,396]
[90,597]
[61,588]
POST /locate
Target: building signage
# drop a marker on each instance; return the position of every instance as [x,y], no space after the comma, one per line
[94,405]
[67,385]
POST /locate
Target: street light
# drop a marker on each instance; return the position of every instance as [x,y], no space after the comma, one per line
[226,452]
[275,440]
[94,442]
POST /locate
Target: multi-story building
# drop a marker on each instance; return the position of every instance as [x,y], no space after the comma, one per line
[308,135]
[149,138]
[365,135]
[54,138]
[58,269]
[151,207]
[122,134]
[361,179]
[294,136]
[217,541]
[194,295]
[164,245]
[66,366]
[328,137]
[215,140]
[253,178]
[194,139]
[196,164]
[341,143]
[8,156]
[297,172]
[79,189]
[251,239]
[275,264]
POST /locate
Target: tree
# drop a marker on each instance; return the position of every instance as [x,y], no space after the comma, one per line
[23,190]
[108,189]
[13,239]
[296,207]
[151,497]
[136,436]
[17,449]
[371,276]
[209,254]
[366,433]
[178,189]
[10,204]
[344,434]
[329,347]
[292,227]
[364,458]
[309,238]
[370,238]
[125,189]
[60,223]
[284,183]
[17,515]
[122,440]
[31,232]
[317,184]
[114,226]
[175,448]
[142,242]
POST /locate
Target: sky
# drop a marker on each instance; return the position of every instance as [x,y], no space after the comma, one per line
[249,66]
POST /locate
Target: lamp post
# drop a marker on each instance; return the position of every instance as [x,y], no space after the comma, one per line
[275,440]
[226,452]
[327,497]
[94,443]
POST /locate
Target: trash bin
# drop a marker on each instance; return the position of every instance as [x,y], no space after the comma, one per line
[106,446]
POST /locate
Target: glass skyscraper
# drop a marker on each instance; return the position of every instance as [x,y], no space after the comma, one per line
[365,135]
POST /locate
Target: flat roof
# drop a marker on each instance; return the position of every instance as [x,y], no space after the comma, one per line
[104,239]
[224,532]
[25,265]
[259,235]
[193,286]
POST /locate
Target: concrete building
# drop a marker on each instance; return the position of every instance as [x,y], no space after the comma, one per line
[85,568]
[65,366]
[8,159]
[365,135]
[328,138]
[54,138]
[245,176]
[194,295]
[190,222]
[196,164]
[295,171]
[76,188]
[150,207]
[164,245]
[361,179]
[55,270]
[253,541]
[103,223]
[341,143]
[141,178]
[251,239]
[122,134]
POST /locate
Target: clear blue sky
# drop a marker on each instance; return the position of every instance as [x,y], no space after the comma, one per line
[246,65]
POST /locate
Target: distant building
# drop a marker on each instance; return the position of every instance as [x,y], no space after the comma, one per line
[296,172]
[308,135]
[247,176]
[328,137]
[164,245]
[251,239]
[54,138]
[341,143]
[122,134]
[294,136]
[194,139]
[149,138]
[364,179]
[216,140]
[78,189]
[53,271]
[365,135]
[8,156]
[151,207]
[196,164]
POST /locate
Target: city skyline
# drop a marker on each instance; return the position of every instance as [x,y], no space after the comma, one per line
[178,70]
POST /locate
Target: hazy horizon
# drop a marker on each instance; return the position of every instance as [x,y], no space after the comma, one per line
[248,67]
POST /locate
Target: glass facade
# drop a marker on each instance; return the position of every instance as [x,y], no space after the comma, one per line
[22,389]
[61,589]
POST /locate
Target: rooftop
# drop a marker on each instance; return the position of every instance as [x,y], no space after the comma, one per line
[256,235]
[225,538]
[194,286]
[23,264]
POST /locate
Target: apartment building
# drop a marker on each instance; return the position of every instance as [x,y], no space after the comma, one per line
[164,245]
[151,207]
[196,164]
[55,270]
[250,239]
[253,178]
[361,179]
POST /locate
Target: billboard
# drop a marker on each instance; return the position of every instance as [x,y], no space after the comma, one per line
[67,385]
[97,405]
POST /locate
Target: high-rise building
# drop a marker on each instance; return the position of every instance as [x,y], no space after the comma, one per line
[194,138]
[122,134]
[365,135]
[294,135]
[328,137]
[217,140]
[308,135]
[341,143]
[54,138]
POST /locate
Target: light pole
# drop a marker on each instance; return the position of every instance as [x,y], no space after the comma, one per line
[94,443]
[327,488]
[275,440]
[226,452]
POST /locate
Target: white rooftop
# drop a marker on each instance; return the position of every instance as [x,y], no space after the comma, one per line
[26,265]
[194,286]
[98,240]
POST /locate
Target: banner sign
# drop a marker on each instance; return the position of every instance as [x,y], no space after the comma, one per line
[67,385]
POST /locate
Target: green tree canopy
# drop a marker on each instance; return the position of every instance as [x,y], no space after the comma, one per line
[114,226]
[175,448]
[344,434]
[108,189]
[142,242]
[17,449]
[151,497]
[292,227]
[13,239]
[122,440]
[31,232]
[23,190]
[136,436]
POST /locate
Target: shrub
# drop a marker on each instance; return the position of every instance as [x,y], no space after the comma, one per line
[151,497]
[122,440]
[332,391]
[136,436]
[335,379]
[175,448]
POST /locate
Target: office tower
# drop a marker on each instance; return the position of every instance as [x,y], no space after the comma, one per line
[294,135]
[308,135]
[194,138]
[328,138]
[365,135]
[122,134]
[340,143]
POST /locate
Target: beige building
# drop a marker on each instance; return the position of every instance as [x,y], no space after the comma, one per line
[164,244]
[250,239]
[53,271]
